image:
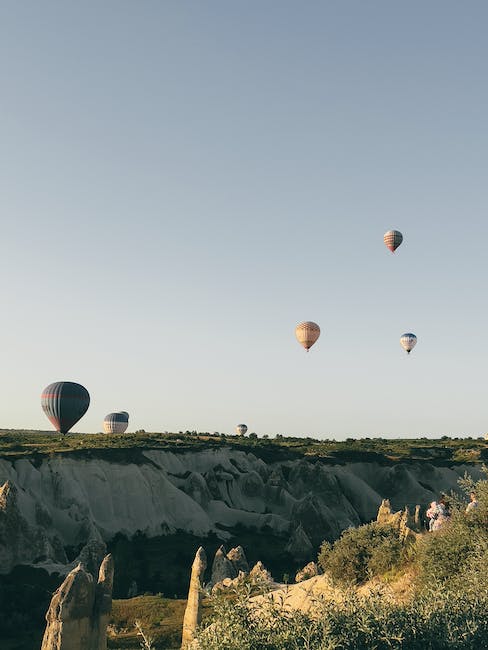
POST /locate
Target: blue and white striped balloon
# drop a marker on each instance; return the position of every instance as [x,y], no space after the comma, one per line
[116,422]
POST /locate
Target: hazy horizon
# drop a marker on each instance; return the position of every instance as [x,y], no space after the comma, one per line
[183,183]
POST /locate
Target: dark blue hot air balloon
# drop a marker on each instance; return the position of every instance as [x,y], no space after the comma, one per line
[64,403]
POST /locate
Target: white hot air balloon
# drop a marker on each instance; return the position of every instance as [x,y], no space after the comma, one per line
[408,341]
[307,333]
[116,422]
[241,429]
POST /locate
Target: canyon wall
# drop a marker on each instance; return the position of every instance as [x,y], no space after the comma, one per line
[64,501]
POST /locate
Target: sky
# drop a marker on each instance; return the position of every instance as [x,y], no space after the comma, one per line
[183,182]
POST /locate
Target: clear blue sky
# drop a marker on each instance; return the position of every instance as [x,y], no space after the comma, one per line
[184,182]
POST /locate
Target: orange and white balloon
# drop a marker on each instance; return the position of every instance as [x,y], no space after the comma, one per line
[307,333]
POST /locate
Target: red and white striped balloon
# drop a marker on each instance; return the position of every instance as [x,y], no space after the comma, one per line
[393,239]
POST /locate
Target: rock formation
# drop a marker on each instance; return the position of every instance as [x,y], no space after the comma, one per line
[92,555]
[222,567]
[79,611]
[299,545]
[228,583]
[385,514]
[192,616]
[227,567]
[238,558]
[308,571]
[20,541]
[103,603]
[402,520]
[260,574]
[196,487]
[61,501]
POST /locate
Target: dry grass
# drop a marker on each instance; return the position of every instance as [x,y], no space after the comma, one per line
[161,618]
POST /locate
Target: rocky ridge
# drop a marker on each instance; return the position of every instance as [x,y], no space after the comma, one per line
[63,501]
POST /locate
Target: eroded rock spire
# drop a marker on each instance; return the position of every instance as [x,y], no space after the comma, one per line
[78,614]
[192,616]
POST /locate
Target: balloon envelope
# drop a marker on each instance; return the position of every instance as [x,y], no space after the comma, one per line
[307,333]
[408,341]
[116,422]
[64,403]
[241,429]
[393,239]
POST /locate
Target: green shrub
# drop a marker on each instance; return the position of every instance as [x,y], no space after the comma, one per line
[457,554]
[438,620]
[361,553]
[449,611]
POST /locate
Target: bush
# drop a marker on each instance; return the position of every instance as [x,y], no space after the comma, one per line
[435,621]
[361,553]
[449,611]
[457,553]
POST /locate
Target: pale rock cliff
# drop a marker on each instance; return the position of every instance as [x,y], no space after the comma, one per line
[65,501]
[22,542]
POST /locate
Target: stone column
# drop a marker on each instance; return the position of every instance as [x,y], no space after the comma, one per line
[103,603]
[192,616]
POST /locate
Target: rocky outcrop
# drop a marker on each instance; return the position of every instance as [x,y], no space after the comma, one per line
[260,574]
[196,487]
[222,567]
[238,559]
[103,603]
[230,583]
[227,567]
[407,525]
[385,514]
[299,545]
[192,616]
[79,611]
[91,555]
[308,571]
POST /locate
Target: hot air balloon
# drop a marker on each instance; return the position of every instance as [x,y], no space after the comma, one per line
[241,429]
[393,239]
[64,403]
[116,422]
[307,333]
[408,341]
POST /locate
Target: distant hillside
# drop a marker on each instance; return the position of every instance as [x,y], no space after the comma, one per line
[19,443]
